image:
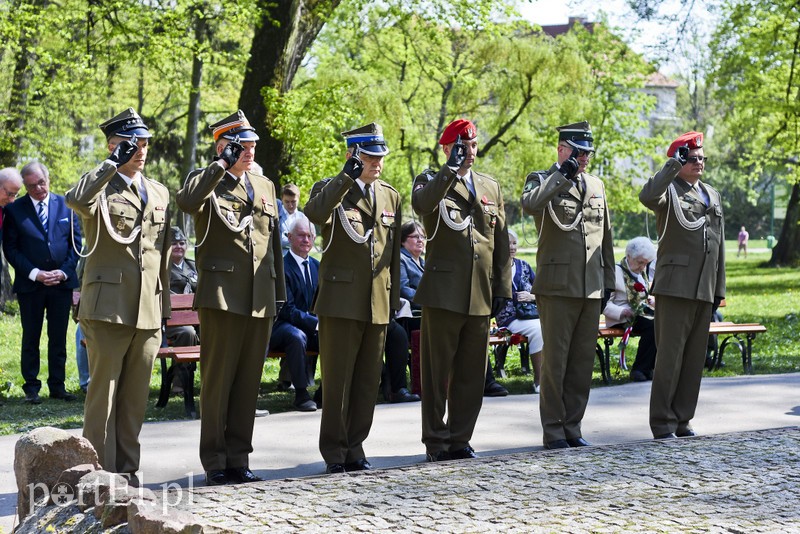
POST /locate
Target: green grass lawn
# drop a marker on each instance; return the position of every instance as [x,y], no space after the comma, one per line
[755,294]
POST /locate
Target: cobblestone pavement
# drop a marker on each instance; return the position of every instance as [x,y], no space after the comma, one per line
[737,482]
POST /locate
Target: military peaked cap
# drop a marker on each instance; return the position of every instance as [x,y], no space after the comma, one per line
[232,126]
[577,135]
[368,138]
[126,124]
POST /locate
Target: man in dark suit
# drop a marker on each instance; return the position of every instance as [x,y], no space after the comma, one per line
[39,245]
[689,281]
[295,329]
[359,285]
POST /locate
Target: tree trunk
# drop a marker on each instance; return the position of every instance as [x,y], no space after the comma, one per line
[285,32]
[787,250]
[193,115]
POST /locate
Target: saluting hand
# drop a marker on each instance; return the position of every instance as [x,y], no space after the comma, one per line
[124,151]
[353,166]
[230,154]
[681,154]
[458,153]
[569,168]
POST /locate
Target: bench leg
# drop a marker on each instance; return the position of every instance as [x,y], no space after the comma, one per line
[500,352]
[601,358]
[166,383]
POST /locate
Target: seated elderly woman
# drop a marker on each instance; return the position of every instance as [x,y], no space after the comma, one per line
[520,315]
[631,304]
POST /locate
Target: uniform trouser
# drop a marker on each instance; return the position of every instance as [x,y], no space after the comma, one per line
[681,337]
[569,329]
[120,365]
[232,349]
[55,302]
[453,359]
[351,358]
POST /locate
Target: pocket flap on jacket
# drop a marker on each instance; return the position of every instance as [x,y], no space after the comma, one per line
[675,259]
[556,260]
[106,275]
[218,265]
[339,275]
[444,266]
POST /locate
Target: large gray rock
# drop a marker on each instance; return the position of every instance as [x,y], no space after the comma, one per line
[147,517]
[112,508]
[62,519]
[73,475]
[40,456]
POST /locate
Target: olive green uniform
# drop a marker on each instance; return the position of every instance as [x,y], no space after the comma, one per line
[574,264]
[467,264]
[124,296]
[359,282]
[690,272]
[240,282]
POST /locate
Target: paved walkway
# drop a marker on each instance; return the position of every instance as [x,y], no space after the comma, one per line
[508,432]
[739,482]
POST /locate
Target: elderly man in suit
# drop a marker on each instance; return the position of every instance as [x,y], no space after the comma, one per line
[466,280]
[295,329]
[239,290]
[124,292]
[689,281]
[359,289]
[10,184]
[574,278]
[42,248]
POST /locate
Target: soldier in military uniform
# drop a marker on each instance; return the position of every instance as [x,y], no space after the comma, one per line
[689,281]
[574,278]
[182,281]
[359,287]
[467,278]
[124,292]
[239,285]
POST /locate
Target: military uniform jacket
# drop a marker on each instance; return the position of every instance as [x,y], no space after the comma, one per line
[691,263]
[123,283]
[183,280]
[575,256]
[359,281]
[239,259]
[464,269]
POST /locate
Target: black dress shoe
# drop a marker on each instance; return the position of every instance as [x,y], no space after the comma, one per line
[494,389]
[578,442]
[557,444]
[306,405]
[216,477]
[33,398]
[669,435]
[241,475]
[463,454]
[403,395]
[686,433]
[438,456]
[334,468]
[64,395]
[359,465]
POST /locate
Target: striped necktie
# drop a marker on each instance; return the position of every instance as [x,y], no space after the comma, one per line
[43,215]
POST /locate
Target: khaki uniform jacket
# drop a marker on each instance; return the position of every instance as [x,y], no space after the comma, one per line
[691,263]
[464,270]
[578,263]
[123,284]
[238,271]
[358,281]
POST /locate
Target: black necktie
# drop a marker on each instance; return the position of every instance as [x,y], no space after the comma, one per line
[309,287]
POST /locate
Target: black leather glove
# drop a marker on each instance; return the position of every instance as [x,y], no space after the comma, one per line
[124,151]
[605,299]
[458,153]
[570,167]
[681,154]
[353,166]
[230,154]
[498,303]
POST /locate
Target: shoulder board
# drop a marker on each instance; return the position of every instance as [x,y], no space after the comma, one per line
[484,176]
[154,182]
[540,175]
[387,185]
[429,174]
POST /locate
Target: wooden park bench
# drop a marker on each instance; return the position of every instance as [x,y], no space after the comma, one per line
[184,315]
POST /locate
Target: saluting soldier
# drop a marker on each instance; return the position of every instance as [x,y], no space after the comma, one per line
[359,287]
[574,278]
[689,281]
[125,290]
[240,284]
[467,279]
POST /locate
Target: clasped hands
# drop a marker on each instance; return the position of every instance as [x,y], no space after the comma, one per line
[51,278]
[525,296]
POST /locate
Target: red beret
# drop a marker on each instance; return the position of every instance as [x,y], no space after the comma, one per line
[461,127]
[691,139]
